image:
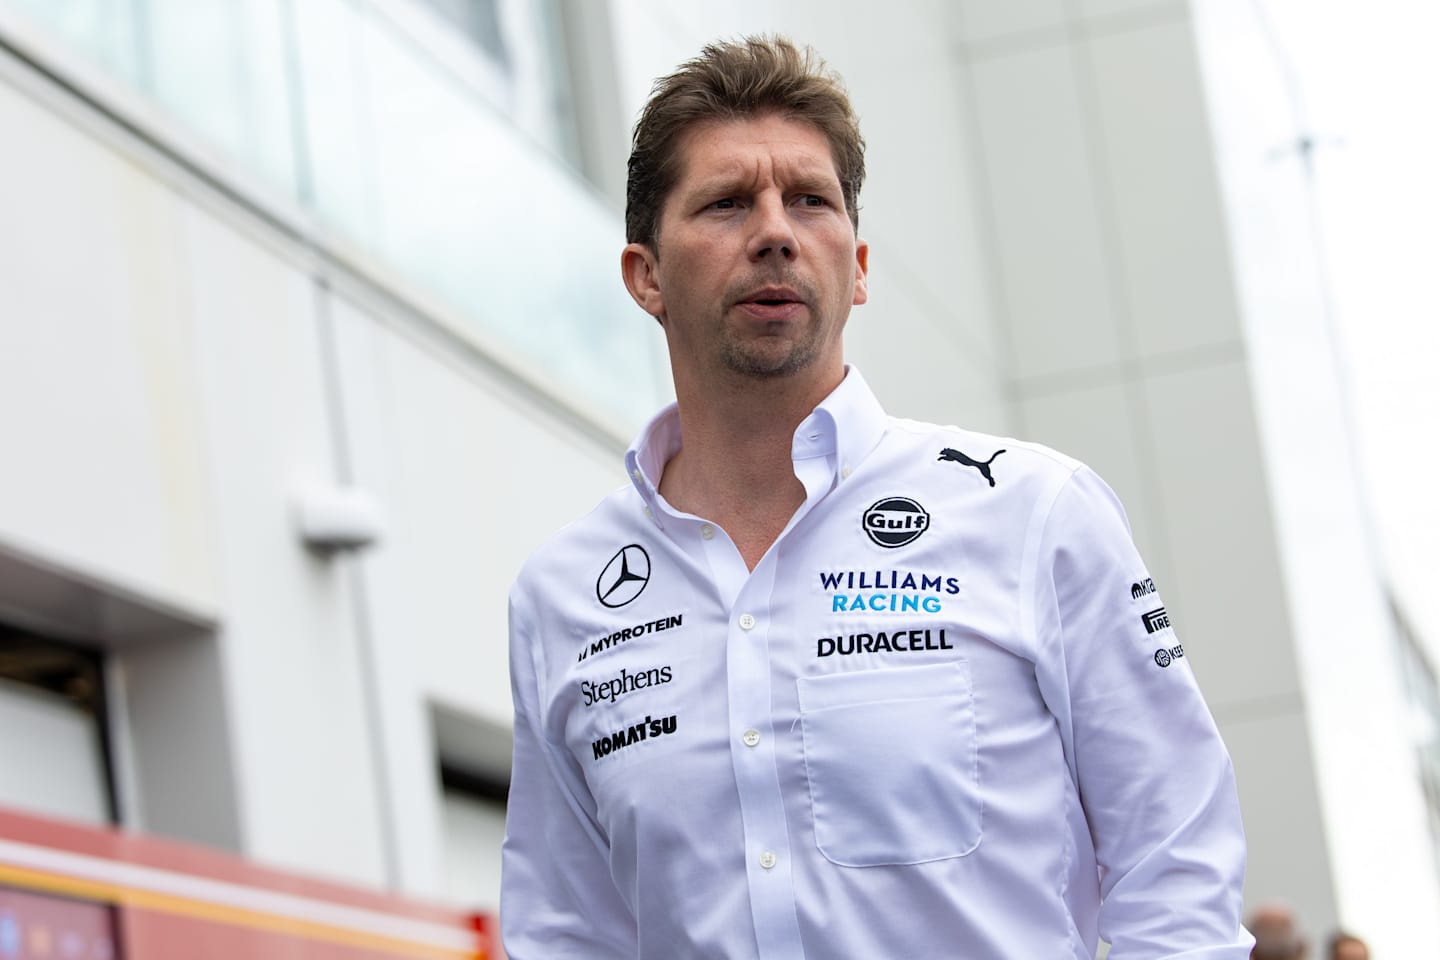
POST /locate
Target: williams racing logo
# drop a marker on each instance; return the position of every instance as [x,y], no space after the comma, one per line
[895,521]
[624,577]
[887,591]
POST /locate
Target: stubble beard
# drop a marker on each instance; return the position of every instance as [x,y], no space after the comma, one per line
[759,358]
[753,360]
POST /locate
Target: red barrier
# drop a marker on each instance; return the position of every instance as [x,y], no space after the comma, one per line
[70,892]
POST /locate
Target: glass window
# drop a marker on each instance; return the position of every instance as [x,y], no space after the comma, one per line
[52,696]
[55,926]
[479,22]
[472,821]
[473,760]
[521,49]
[106,31]
[1423,686]
[433,180]
[220,67]
[427,135]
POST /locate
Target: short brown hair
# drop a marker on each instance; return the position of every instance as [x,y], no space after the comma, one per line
[749,77]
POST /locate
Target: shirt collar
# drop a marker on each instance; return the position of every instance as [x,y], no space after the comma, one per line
[845,426]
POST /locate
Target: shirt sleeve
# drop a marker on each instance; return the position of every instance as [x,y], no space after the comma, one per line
[1154,778]
[557,898]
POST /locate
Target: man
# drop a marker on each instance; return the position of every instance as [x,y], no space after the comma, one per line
[1277,936]
[1347,946]
[820,683]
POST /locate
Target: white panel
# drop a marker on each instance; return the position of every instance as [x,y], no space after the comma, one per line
[473,830]
[1103,8]
[288,644]
[50,755]
[1380,843]
[1166,198]
[651,41]
[1289,859]
[920,370]
[921,210]
[472,482]
[863,45]
[473,479]
[1048,235]
[1214,497]
[982,20]
[173,741]
[103,467]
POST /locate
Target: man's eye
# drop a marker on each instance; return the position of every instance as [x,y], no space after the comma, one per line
[727,204]
[813,200]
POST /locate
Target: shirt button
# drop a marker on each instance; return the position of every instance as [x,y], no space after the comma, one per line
[845,473]
[747,622]
[636,474]
[707,531]
[650,513]
[767,859]
[751,737]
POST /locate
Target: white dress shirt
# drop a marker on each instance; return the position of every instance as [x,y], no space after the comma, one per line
[945,716]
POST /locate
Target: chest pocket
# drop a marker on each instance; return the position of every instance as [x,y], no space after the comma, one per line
[892,764]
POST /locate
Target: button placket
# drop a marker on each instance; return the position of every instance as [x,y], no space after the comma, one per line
[753,758]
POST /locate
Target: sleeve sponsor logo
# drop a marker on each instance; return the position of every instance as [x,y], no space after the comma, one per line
[895,521]
[881,591]
[1142,588]
[896,641]
[1156,620]
[1165,657]
[648,729]
[612,640]
[623,684]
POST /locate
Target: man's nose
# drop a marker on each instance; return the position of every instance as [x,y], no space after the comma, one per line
[773,232]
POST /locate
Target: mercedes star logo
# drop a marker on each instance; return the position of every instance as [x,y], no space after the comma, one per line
[624,577]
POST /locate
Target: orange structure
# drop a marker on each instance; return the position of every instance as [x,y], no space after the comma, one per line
[70,892]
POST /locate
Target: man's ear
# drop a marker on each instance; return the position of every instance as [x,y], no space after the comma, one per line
[640,269]
[862,269]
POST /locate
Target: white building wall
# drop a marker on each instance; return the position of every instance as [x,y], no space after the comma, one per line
[1115,261]
[472,478]
[105,461]
[1353,707]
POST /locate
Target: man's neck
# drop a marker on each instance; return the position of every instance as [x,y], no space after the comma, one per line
[735,466]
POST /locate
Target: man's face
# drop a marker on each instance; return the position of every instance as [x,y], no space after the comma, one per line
[1351,950]
[757,263]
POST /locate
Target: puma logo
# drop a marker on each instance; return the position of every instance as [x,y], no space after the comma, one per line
[982,465]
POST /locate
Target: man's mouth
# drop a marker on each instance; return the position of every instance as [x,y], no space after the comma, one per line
[772,298]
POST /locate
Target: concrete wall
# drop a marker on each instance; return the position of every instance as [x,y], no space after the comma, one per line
[176,373]
[1351,705]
